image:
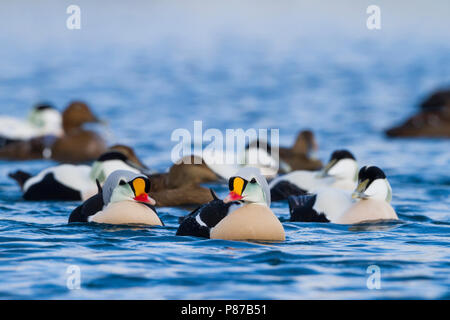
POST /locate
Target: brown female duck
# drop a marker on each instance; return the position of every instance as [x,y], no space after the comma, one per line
[301,155]
[433,120]
[181,185]
[77,144]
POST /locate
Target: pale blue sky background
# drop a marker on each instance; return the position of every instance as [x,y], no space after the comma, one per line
[199,24]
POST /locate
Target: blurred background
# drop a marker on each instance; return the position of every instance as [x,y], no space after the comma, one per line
[290,65]
[150,67]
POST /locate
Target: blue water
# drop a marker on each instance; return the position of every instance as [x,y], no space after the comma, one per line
[346,88]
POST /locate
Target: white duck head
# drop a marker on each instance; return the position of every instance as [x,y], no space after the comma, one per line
[124,185]
[47,119]
[112,161]
[342,166]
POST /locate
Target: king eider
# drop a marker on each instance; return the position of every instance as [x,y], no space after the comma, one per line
[340,173]
[369,202]
[122,200]
[69,182]
[243,215]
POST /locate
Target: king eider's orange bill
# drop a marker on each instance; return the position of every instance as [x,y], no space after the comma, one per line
[237,186]
[139,191]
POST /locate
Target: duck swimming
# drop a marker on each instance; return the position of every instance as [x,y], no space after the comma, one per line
[75,145]
[181,185]
[130,155]
[243,215]
[370,201]
[78,144]
[69,182]
[302,155]
[43,120]
[340,173]
[433,120]
[122,200]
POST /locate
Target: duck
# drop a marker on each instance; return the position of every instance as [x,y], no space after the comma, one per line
[340,172]
[303,154]
[78,145]
[181,185]
[123,199]
[244,214]
[75,145]
[369,202]
[43,119]
[191,169]
[130,155]
[68,182]
[432,120]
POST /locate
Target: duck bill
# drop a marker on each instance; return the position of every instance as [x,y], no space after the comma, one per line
[141,187]
[232,196]
[324,172]
[357,195]
[145,198]
[97,120]
[101,122]
[236,185]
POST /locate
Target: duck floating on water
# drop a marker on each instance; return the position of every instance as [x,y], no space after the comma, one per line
[243,215]
[369,202]
[43,120]
[75,145]
[78,144]
[340,173]
[69,182]
[181,185]
[433,120]
[123,199]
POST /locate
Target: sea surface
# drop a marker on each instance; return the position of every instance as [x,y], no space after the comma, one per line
[346,88]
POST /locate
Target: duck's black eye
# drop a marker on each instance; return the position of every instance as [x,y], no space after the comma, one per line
[122,182]
[253,180]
